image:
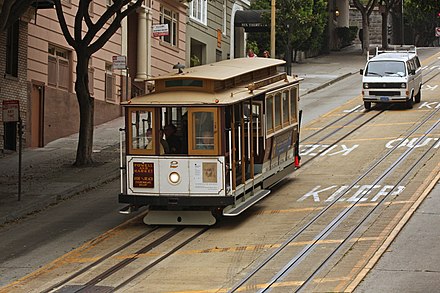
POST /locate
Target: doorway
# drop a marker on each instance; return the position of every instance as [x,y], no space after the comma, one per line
[37,116]
[10,142]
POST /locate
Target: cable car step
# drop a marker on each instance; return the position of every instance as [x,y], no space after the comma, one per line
[231,211]
[128,209]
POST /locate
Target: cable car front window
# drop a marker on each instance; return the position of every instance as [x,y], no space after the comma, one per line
[141,129]
[203,130]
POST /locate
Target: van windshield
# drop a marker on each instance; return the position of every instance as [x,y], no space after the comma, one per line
[385,68]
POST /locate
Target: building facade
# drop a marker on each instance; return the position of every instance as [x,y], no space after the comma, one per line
[211,32]
[152,50]
[13,80]
[54,108]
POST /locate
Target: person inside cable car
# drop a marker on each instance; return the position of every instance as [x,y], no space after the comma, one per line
[172,139]
[206,141]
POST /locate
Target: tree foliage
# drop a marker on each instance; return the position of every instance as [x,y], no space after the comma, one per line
[422,17]
[299,24]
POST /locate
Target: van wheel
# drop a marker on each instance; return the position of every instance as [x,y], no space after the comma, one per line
[367,106]
[409,103]
[418,97]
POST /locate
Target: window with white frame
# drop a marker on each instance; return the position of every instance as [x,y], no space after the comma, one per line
[110,83]
[168,16]
[58,72]
[198,10]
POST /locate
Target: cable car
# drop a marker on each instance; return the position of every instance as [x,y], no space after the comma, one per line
[209,141]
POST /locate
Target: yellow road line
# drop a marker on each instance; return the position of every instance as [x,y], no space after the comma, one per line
[370,125]
[65,259]
[255,287]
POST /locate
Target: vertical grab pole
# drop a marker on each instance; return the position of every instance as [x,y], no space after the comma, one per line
[258,135]
[239,143]
[249,139]
[230,160]
[263,129]
[121,167]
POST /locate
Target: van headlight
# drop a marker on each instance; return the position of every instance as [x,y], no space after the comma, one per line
[174,177]
[365,85]
[403,85]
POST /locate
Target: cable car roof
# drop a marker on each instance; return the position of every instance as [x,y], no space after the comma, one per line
[225,97]
[223,69]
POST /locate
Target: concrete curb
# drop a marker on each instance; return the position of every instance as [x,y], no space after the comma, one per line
[324,85]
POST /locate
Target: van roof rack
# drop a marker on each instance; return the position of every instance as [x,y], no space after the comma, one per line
[411,50]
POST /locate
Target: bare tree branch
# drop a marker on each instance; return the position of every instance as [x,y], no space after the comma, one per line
[79,20]
[87,18]
[12,10]
[63,24]
[114,26]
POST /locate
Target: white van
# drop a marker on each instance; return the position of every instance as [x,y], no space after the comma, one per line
[392,77]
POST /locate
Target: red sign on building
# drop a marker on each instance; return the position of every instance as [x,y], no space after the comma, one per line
[11,111]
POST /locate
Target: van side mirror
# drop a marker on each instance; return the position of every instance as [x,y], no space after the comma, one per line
[361,72]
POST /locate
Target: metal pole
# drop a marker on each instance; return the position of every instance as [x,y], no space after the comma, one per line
[402,27]
[126,83]
[272,29]
[20,136]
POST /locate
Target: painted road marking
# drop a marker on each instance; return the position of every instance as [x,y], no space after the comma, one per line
[429,87]
[361,193]
[413,142]
[314,150]
[325,150]
[430,105]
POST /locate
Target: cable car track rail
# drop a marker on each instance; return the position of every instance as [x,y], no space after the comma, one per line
[89,285]
[294,261]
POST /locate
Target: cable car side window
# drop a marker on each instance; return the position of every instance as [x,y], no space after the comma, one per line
[140,131]
[285,101]
[278,111]
[293,104]
[257,119]
[269,114]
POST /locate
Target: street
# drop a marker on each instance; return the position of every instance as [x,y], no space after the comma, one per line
[235,244]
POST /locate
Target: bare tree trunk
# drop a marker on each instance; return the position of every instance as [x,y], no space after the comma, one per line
[366,34]
[86,110]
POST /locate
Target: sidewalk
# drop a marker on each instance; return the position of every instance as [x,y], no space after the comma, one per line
[47,173]
[48,176]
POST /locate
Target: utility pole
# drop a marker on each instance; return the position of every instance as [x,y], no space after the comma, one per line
[402,27]
[272,29]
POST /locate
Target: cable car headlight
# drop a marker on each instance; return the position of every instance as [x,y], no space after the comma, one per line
[174,177]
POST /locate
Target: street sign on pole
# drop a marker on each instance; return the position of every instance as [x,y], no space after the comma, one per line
[160,30]
[11,111]
[437,31]
[119,62]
